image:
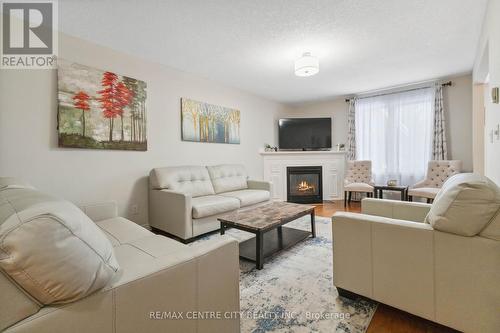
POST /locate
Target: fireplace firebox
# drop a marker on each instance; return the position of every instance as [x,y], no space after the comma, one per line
[304,184]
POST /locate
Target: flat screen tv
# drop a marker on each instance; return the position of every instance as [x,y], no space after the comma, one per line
[305,133]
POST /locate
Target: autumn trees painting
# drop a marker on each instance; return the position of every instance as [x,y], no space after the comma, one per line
[100,109]
[203,122]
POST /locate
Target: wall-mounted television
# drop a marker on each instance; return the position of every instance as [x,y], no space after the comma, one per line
[305,133]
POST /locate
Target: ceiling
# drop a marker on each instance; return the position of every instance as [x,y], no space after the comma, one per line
[251,44]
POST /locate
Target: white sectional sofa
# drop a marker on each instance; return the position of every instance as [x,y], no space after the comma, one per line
[65,271]
[440,261]
[185,201]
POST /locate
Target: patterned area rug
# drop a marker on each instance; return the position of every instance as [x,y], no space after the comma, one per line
[294,292]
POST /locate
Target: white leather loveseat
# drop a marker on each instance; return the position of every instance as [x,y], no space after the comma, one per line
[440,261]
[185,201]
[62,272]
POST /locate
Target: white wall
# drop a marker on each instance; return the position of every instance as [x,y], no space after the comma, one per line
[458,106]
[488,62]
[478,112]
[28,136]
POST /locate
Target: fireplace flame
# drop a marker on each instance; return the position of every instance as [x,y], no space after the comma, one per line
[305,186]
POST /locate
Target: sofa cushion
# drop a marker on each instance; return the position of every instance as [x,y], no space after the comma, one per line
[492,230]
[193,180]
[465,205]
[213,204]
[248,197]
[51,248]
[13,183]
[228,177]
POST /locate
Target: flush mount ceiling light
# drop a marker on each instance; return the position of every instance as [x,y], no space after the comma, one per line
[306,65]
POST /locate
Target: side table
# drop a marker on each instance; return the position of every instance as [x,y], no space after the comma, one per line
[379,191]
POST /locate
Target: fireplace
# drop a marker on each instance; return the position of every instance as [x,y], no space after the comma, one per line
[304,184]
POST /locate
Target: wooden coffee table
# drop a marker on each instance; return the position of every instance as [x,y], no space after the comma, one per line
[266,222]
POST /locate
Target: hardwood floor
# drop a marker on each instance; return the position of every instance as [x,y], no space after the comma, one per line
[386,319]
[328,208]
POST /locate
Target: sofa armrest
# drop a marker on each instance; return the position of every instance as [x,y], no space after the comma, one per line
[220,242]
[352,263]
[171,211]
[385,259]
[259,185]
[352,248]
[100,211]
[401,210]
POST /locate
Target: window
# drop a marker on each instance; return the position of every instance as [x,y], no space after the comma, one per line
[394,131]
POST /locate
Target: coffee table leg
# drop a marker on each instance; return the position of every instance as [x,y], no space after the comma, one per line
[259,251]
[222,228]
[313,225]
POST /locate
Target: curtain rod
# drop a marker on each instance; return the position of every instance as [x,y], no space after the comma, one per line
[445,84]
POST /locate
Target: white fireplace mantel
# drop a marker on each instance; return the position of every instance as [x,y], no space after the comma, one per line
[332,163]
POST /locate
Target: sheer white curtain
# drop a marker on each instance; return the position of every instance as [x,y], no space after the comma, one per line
[394,131]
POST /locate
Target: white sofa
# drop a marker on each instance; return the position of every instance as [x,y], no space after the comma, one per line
[62,272]
[185,201]
[440,262]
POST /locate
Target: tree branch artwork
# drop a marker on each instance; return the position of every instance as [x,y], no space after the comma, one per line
[203,122]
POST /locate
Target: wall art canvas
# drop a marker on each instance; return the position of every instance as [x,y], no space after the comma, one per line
[100,109]
[203,122]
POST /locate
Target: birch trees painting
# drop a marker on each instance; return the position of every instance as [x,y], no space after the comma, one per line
[100,109]
[203,122]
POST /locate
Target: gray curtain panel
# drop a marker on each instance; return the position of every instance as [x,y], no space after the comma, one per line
[351,130]
[439,148]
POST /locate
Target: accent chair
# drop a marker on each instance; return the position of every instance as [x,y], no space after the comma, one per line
[437,173]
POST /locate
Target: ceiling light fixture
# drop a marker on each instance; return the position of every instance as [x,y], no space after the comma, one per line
[306,65]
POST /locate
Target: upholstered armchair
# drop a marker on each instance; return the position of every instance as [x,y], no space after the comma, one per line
[437,173]
[358,179]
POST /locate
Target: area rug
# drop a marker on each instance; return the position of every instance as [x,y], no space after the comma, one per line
[294,292]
